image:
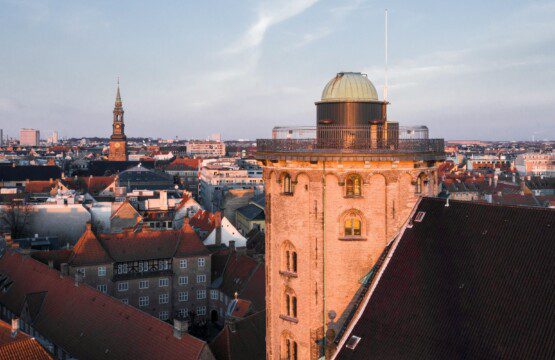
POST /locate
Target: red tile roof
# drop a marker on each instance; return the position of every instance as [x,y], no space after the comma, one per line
[39,187]
[184,164]
[203,220]
[88,251]
[28,349]
[89,324]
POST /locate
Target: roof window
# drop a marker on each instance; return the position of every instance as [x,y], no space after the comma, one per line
[352,342]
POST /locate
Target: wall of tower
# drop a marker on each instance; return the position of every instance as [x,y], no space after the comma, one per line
[304,220]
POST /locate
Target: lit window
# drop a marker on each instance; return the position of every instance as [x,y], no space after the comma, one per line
[353,187]
[201,262]
[183,264]
[163,282]
[143,284]
[183,280]
[102,271]
[201,294]
[287,184]
[123,286]
[183,296]
[353,226]
[143,301]
[201,279]
[163,298]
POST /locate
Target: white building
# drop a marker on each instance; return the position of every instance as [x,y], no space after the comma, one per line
[29,137]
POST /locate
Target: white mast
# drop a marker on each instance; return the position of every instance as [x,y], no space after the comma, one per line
[385,83]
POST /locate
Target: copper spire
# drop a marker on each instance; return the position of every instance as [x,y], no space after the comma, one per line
[118,97]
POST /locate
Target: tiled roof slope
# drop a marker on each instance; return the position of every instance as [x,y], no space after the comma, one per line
[471,281]
[248,341]
[29,172]
[88,250]
[89,324]
[21,346]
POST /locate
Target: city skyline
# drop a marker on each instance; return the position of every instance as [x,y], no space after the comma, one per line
[241,69]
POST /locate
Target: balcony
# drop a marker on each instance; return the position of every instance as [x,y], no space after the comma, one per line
[383,141]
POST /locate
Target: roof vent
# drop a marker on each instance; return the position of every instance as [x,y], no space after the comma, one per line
[352,342]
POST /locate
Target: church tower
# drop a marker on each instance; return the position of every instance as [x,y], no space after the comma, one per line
[336,195]
[118,140]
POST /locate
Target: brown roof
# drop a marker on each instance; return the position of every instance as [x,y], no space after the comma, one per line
[203,220]
[28,349]
[91,184]
[89,324]
[57,256]
[88,251]
[40,187]
[470,281]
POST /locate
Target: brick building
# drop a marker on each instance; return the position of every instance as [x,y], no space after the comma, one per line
[332,205]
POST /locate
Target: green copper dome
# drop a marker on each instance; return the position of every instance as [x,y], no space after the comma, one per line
[350,86]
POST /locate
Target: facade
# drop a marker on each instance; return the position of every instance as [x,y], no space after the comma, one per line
[332,205]
[29,137]
[118,140]
[164,273]
[209,148]
[536,164]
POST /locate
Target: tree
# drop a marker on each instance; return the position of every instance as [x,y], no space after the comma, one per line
[14,217]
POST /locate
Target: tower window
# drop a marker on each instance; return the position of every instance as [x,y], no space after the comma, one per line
[290,304]
[289,262]
[353,226]
[291,349]
[353,186]
[287,185]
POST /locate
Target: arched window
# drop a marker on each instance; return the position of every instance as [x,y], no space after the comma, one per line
[289,263]
[287,189]
[353,185]
[353,226]
[290,303]
[289,348]
[421,183]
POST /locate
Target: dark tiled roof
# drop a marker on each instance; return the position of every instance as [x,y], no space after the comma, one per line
[89,324]
[107,168]
[29,172]
[470,281]
[248,341]
[251,212]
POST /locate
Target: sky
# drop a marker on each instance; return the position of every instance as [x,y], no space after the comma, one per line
[466,69]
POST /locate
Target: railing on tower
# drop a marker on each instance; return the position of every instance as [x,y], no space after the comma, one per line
[379,138]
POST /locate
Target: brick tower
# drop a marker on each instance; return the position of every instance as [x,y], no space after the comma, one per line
[336,194]
[118,140]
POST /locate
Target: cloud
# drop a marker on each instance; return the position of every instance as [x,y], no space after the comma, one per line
[268,17]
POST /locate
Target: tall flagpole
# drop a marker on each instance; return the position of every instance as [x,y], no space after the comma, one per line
[385,83]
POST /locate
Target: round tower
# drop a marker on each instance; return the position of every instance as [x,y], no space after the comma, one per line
[334,200]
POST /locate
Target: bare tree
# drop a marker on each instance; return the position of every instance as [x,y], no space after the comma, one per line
[14,217]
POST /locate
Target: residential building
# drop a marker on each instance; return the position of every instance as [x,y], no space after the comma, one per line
[29,137]
[536,164]
[188,172]
[205,149]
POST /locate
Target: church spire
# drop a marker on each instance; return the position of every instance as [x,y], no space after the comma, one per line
[118,97]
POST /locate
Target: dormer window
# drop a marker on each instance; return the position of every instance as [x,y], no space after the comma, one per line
[287,189]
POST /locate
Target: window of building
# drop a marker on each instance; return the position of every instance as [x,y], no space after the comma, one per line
[201,262]
[201,294]
[143,284]
[163,298]
[352,342]
[143,301]
[163,282]
[183,280]
[289,258]
[183,312]
[221,296]
[125,301]
[102,271]
[214,294]
[201,310]
[163,315]
[102,288]
[183,264]
[81,271]
[421,183]
[163,265]
[201,279]
[123,286]
[353,226]
[290,304]
[287,189]
[419,216]
[183,296]
[353,186]
[122,269]
[289,348]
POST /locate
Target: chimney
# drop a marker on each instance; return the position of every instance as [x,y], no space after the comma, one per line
[514,178]
[489,181]
[15,327]
[180,327]
[51,264]
[64,269]
[218,227]
[88,226]
[232,245]
[495,178]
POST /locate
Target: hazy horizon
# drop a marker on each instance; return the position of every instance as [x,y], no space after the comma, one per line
[467,70]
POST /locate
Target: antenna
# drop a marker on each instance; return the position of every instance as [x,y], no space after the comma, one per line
[385,83]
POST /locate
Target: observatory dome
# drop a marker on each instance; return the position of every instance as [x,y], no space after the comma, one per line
[349,86]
